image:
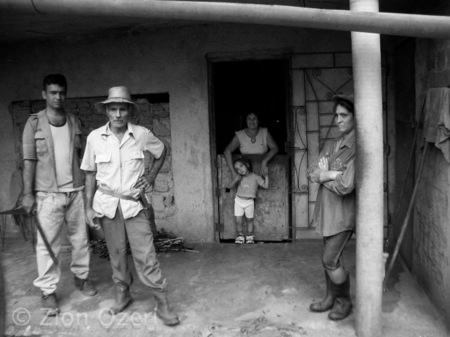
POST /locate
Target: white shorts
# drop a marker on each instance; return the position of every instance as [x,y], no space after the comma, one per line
[244,206]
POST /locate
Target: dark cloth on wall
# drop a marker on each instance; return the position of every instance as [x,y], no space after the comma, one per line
[437,119]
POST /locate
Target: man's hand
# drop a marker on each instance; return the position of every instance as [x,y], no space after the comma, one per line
[91,215]
[144,182]
[323,164]
[28,203]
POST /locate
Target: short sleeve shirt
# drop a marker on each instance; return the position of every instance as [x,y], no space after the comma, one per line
[248,185]
[119,165]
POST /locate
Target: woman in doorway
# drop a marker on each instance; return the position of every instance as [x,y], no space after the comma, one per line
[252,140]
[334,214]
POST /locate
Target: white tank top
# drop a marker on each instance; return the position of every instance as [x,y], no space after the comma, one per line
[61,144]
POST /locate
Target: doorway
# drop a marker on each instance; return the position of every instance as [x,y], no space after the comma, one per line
[404,129]
[236,88]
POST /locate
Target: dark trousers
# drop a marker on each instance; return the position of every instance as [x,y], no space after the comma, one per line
[333,246]
[138,233]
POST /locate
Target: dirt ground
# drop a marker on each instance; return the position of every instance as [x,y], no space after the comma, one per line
[218,290]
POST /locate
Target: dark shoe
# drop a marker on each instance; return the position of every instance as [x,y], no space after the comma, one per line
[163,311]
[123,299]
[343,302]
[86,286]
[50,304]
[327,302]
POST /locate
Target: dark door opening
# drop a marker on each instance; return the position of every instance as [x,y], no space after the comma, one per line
[244,86]
[238,88]
[404,120]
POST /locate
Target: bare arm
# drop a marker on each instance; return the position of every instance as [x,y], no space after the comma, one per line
[273,150]
[157,164]
[326,176]
[266,182]
[146,181]
[234,144]
[89,190]
[233,182]
[29,171]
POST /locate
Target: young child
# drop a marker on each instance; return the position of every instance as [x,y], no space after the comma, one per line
[244,203]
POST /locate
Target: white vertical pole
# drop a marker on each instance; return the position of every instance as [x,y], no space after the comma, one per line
[369,156]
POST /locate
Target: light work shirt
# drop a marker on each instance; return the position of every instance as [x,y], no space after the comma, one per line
[335,204]
[119,165]
[38,145]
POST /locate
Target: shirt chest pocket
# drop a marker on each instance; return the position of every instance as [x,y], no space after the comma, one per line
[135,161]
[103,162]
[41,143]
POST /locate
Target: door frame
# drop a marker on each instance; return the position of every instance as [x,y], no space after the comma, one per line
[211,59]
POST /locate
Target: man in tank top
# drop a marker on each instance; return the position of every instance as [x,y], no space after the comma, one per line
[53,185]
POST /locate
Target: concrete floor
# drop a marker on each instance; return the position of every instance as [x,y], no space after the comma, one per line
[221,290]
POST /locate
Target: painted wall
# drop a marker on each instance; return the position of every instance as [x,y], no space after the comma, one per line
[170,60]
[431,258]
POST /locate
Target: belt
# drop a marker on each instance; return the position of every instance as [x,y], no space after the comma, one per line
[117,195]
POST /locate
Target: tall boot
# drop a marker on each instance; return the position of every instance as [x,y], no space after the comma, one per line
[327,302]
[343,302]
[123,298]
[162,309]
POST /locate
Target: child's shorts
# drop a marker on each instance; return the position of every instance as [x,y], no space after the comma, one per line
[244,206]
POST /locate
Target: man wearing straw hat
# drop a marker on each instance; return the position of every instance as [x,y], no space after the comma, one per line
[114,161]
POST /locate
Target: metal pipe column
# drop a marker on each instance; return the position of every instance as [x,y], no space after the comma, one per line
[369,171]
[425,26]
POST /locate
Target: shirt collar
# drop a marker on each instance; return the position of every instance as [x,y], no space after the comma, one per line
[106,131]
[350,140]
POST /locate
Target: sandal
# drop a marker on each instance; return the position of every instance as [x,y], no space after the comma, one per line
[240,239]
[249,239]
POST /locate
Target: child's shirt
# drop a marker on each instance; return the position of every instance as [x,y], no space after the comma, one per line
[248,186]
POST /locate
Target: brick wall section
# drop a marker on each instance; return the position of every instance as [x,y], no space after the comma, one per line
[154,116]
[430,239]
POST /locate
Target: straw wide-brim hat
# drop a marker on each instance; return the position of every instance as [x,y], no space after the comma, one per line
[116,95]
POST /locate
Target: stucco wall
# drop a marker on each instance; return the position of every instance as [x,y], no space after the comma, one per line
[170,60]
[431,259]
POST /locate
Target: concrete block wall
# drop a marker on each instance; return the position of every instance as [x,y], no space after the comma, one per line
[154,116]
[431,259]
[173,61]
[431,251]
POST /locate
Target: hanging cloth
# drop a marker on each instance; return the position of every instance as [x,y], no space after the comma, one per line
[437,119]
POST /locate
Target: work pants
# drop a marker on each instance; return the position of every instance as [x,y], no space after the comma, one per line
[53,209]
[138,233]
[333,247]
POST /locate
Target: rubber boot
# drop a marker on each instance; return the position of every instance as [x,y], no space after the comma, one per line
[163,310]
[123,299]
[327,302]
[342,302]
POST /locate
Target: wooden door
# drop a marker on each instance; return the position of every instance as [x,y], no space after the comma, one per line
[271,206]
